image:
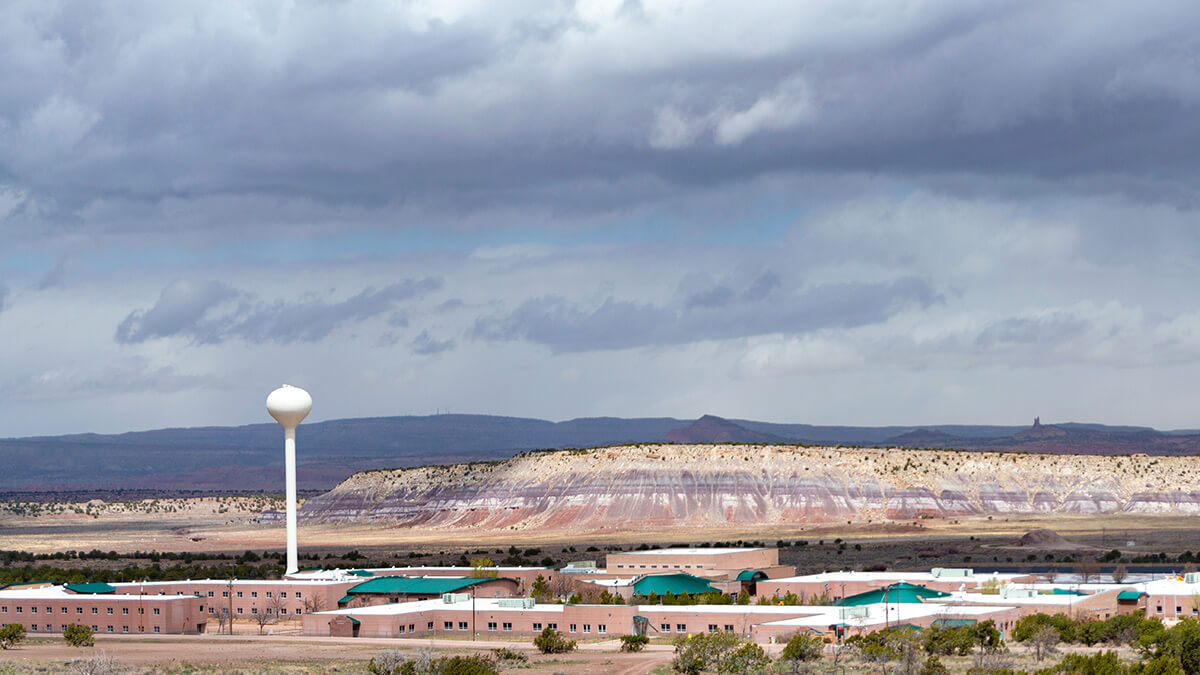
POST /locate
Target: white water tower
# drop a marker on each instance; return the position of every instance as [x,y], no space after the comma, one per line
[289,405]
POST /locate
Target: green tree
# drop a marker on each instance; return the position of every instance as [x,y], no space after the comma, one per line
[945,641]
[483,568]
[78,635]
[552,642]
[743,598]
[803,647]
[540,589]
[11,635]
[933,666]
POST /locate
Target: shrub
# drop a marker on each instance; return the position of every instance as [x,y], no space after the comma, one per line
[803,647]
[745,659]
[78,635]
[553,642]
[504,654]
[100,664]
[396,662]
[11,635]
[933,666]
[633,643]
[703,651]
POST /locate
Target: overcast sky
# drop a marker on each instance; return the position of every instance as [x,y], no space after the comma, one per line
[832,212]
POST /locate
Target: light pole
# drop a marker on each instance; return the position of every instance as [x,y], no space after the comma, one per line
[289,405]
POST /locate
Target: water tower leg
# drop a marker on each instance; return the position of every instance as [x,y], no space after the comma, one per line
[289,462]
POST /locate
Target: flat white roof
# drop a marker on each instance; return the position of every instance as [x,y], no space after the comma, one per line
[481,605]
[851,576]
[896,614]
[688,551]
[60,593]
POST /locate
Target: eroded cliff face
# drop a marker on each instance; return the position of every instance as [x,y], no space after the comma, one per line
[697,485]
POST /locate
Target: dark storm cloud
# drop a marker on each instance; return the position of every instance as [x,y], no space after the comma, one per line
[115,112]
[564,326]
[210,313]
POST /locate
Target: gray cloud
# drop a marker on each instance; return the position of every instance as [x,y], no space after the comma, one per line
[620,324]
[211,312]
[3,297]
[424,344]
[561,108]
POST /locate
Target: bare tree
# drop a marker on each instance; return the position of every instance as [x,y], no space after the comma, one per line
[1119,574]
[1087,569]
[1045,642]
[222,619]
[277,605]
[314,603]
[263,619]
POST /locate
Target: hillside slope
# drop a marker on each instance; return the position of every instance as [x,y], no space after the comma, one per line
[697,485]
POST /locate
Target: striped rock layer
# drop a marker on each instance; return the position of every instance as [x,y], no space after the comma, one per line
[699,485]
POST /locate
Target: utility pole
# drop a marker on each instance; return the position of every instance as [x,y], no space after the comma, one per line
[141,610]
[230,594]
[474,632]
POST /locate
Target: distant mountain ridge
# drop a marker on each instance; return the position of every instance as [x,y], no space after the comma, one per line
[250,457]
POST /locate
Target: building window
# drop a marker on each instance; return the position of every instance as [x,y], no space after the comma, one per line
[210,594]
[1178,609]
[254,594]
[79,610]
[462,625]
[157,629]
[666,627]
[491,625]
[124,629]
[95,628]
[110,629]
[412,628]
[20,610]
[552,626]
[572,629]
[124,610]
[239,593]
[157,611]
[269,594]
[712,627]
[4,609]
[587,627]
[506,626]
[254,610]
[33,610]
[681,628]
[448,625]
[64,610]
[601,628]
[401,628]
[239,610]
[224,594]
[728,628]
[537,626]
[110,610]
[297,610]
[430,626]
[64,626]
[95,610]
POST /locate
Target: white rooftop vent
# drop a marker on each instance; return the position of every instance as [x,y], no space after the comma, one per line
[1191,577]
[1007,592]
[518,603]
[951,572]
[452,598]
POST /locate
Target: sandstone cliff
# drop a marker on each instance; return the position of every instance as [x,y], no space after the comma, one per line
[697,485]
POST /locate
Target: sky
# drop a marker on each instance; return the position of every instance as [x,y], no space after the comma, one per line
[830,212]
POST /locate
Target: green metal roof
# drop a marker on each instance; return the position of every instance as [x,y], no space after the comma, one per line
[415,585]
[1129,595]
[953,623]
[751,575]
[345,599]
[354,621]
[899,593]
[93,588]
[662,584]
[362,573]
[1066,591]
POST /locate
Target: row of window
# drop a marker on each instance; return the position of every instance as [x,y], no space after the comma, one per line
[253,594]
[654,567]
[1178,610]
[63,627]
[253,610]
[587,628]
[78,610]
